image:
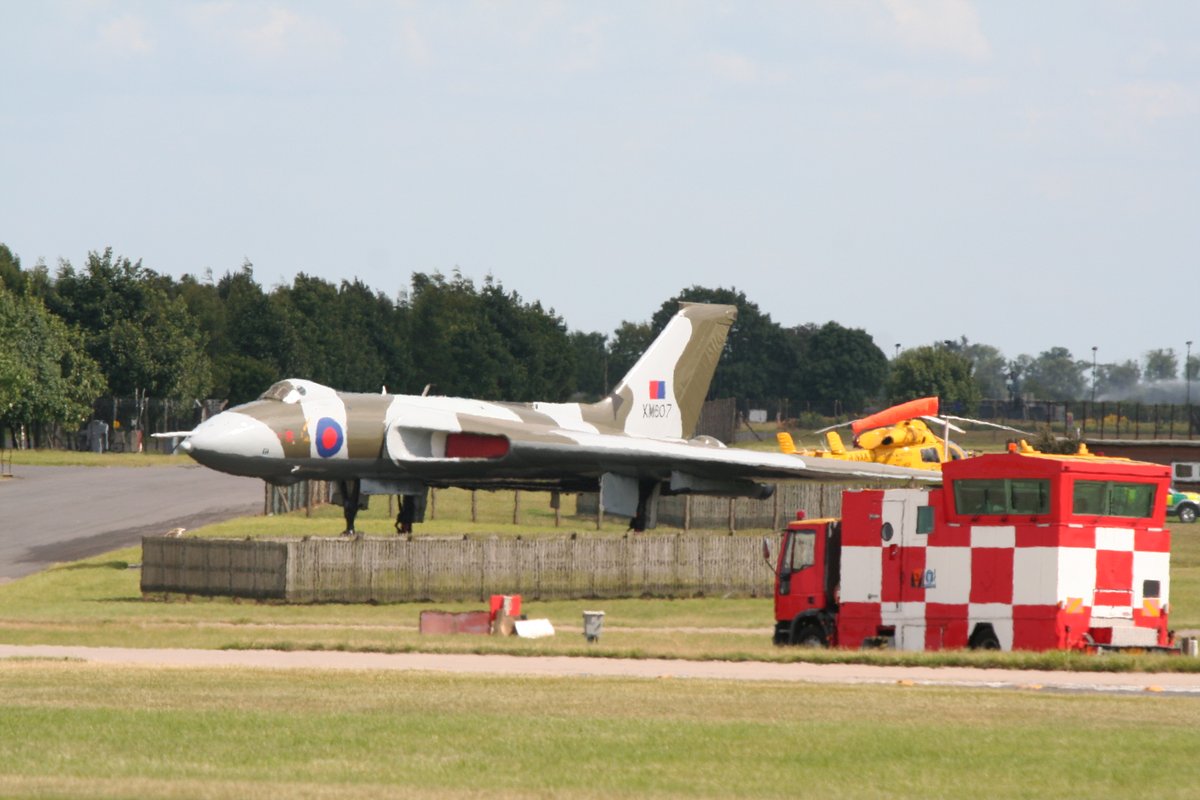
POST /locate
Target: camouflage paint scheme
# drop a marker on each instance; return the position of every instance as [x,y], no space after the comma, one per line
[633,444]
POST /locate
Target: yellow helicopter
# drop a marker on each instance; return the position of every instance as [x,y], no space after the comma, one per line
[899,436]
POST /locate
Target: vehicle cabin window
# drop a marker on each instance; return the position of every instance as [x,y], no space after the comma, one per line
[802,547]
[1113,499]
[1001,496]
[1185,471]
[1029,496]
[924,519]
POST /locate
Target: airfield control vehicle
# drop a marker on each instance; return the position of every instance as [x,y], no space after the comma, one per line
[1015,551]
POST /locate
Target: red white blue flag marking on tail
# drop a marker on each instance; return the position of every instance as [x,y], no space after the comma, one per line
[658,390]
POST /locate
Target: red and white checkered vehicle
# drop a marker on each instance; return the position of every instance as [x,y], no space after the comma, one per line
[1016,551]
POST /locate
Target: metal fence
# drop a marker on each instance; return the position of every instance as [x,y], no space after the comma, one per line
[379,570]
[1104,419]
[121,425]
[688,512]
[305,495]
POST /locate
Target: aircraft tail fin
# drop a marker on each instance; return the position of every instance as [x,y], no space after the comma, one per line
[664,391]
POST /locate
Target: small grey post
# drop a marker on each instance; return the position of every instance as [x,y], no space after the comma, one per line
[593,623]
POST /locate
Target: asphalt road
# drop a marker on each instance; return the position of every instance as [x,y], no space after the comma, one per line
[53,514]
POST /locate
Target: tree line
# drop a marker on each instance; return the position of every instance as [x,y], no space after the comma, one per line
[115,327]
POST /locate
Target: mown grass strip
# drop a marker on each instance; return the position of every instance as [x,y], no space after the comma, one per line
[97,602]
[75,458]
[213,733]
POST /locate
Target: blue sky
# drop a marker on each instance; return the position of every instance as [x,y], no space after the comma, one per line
[1025,174]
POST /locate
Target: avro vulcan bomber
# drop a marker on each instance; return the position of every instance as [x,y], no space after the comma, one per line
[633,446]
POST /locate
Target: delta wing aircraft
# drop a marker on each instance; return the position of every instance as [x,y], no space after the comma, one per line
[632,446]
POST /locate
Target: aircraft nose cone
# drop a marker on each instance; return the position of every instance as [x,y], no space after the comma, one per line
[230,438]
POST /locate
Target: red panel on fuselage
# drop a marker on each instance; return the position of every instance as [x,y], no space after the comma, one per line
[475,445]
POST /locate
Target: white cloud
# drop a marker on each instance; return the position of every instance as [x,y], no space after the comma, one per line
[267,32]
[733,67]
[946,26]
[586,43]
[1151,102]
[936,87]
[128,35]
[413,45]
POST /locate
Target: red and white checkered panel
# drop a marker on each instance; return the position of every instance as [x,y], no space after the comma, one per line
[1039,585]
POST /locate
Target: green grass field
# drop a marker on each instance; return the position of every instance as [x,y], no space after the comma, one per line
[75,458]
[70,730]
[98,602]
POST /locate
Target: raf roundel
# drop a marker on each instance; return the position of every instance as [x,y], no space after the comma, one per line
[329,437]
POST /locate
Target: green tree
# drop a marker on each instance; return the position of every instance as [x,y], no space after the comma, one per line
[11,275]
[937,370]
[1055,375]
[1118,381]
[456,349]
[46,376]
[591,364]
[309,310]
[205,306]
[372,347]
[540,353]
[1161,365]
[840,370]
[143,338]
[257,336]
[989,367]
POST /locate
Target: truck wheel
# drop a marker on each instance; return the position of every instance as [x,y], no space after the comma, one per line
[984,638]
[808,634]
[1187,513]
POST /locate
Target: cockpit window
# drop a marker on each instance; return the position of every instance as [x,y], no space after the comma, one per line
[284,391]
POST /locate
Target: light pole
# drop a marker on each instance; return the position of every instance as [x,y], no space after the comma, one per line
[1094,375]
[1187,382]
